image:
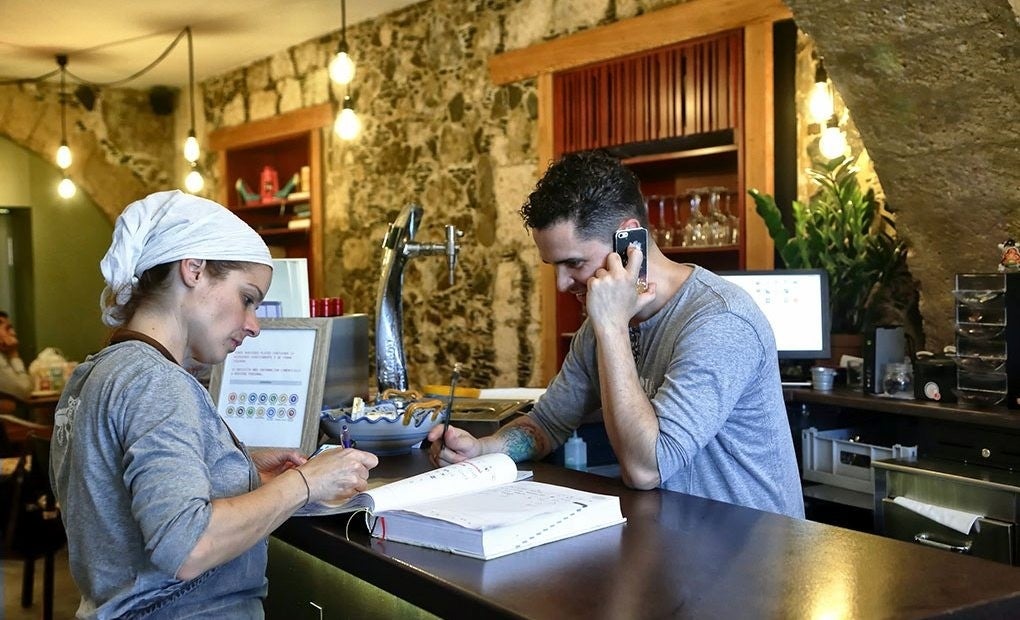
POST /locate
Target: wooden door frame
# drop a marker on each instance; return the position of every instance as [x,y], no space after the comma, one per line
[681,22]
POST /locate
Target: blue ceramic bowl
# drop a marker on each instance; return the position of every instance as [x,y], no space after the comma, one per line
[380,436]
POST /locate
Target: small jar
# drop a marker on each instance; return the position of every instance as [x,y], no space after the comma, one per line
[898,380]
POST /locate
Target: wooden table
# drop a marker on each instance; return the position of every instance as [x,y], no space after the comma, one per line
[677,556]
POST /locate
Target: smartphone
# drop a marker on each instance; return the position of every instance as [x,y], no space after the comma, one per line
[627,237]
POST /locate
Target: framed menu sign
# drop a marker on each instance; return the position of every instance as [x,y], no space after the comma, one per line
[269,391]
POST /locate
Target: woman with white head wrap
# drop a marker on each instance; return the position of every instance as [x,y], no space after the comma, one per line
[166,512]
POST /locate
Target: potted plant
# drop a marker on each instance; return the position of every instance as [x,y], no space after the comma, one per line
[844,231]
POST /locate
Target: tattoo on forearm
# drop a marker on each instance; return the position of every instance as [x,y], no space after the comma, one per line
[522,442]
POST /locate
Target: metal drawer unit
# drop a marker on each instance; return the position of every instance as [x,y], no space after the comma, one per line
[980,490]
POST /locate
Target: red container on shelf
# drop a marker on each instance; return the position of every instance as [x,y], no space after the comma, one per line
[317,307]
[334,306]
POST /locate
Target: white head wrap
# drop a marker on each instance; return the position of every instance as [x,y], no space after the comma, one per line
[170,226]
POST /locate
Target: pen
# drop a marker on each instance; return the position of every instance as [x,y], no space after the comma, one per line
[345,437]
[449,405]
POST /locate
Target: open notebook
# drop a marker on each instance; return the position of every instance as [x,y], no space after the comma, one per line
[480,508]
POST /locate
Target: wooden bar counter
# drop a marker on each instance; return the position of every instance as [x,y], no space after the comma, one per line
[677,556]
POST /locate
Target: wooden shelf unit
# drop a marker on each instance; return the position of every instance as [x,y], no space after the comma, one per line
[287,143]
[686,21]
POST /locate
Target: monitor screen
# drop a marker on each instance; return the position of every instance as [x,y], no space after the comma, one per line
[796,304]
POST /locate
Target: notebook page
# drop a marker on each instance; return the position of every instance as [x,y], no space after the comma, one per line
[471,475]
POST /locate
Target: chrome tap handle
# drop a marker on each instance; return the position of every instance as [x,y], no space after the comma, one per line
[452,249]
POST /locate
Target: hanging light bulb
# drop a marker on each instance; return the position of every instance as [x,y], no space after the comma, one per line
[347,124]
[194,182]
[820,104]
[191,150]
[64,151]
[66,188]
[64,156]
[832,143]
[341,68]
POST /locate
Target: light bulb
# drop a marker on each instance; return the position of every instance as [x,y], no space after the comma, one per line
[191,150]
[832,144]
[347,124]
[194,182]
[66,189]
[64,156]
[341,68]
[820,105]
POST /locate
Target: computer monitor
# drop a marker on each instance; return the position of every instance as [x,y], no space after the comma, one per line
[796,304]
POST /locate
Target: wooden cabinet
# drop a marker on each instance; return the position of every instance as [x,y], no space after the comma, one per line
[753,122]
[291,226]
[673,115]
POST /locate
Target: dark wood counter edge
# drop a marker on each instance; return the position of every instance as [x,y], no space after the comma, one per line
[318,536]
[325,539]
[998,417]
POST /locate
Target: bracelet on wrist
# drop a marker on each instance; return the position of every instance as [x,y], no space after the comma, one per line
[308,489]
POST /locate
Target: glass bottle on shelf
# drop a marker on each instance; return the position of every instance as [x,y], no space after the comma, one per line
[898,380]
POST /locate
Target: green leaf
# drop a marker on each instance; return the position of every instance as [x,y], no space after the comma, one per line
[842,230]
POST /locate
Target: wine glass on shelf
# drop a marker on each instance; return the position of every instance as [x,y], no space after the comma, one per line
[650,207]
[694,231]
[664,236]
[719,232]
[731,207]
[678,225]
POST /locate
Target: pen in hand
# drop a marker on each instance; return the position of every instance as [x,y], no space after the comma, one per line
[449,405]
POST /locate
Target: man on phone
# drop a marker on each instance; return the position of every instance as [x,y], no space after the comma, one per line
[683,369]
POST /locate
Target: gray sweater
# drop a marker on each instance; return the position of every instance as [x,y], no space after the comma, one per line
[138,454]
[707,361]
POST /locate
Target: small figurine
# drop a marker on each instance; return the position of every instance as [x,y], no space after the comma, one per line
[1010,256]
[289,187]
[269,182]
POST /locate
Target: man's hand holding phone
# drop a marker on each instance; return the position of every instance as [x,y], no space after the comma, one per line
[618,291]
[626,238]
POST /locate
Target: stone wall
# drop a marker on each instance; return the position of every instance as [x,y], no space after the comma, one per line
[121,150]
[933,88]
[436,132]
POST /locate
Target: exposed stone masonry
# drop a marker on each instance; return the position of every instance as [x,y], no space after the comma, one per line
[932,88]
[934,91]
[121,149]
[436,131]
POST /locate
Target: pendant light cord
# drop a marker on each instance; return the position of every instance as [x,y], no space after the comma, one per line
[149,67]
[191,77]
[62,61]
[343,24]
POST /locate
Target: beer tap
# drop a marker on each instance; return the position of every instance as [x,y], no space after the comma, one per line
[399,247]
